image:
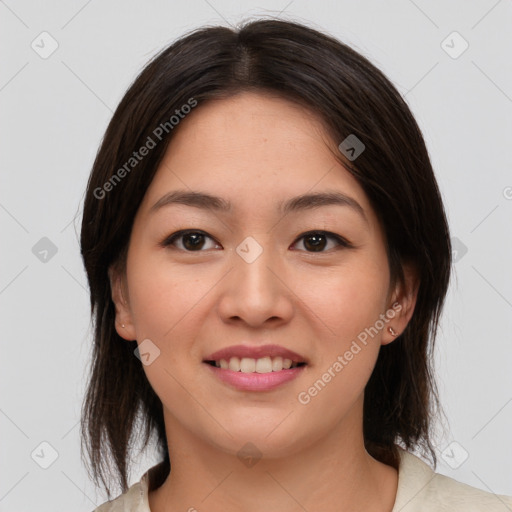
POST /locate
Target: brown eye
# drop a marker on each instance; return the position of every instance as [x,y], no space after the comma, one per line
[191,241]
[195,241]
[316,241]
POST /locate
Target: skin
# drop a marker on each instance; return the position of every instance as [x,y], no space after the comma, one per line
[256,150]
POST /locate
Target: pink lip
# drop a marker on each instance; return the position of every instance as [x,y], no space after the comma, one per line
[255,352]
[256,381]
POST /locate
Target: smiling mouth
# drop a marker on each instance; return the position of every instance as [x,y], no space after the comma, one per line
[260,365]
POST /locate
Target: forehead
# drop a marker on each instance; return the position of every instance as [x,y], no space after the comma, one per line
[255,151]
[248,124]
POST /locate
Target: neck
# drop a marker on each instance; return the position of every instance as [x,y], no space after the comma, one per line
[332,474]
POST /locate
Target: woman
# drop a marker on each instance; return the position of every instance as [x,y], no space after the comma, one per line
[268,256]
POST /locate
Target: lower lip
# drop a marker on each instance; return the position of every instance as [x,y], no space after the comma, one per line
[256,381]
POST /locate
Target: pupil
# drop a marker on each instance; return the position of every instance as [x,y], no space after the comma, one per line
[318,241]
[194,245]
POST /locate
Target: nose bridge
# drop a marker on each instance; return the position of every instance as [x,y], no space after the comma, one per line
[252,267]
[254,291]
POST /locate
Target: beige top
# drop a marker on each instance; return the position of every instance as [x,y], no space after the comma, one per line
[419,490]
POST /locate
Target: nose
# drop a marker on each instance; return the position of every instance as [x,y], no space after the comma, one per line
[256,291]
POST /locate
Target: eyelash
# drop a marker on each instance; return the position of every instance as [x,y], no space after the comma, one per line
[342,242]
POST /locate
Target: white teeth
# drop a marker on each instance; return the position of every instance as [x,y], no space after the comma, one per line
[234,364]
[249,365]
[263,365]
[277,363]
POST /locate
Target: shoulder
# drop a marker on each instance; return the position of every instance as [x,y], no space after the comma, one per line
[420,489]
[136,499]
[133,500]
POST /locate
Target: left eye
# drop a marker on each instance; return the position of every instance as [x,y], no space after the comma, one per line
[318,240]
[194,241]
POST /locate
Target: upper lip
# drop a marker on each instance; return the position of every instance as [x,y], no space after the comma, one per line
[255,352]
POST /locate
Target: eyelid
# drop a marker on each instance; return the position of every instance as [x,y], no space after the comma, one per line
[169,240]
[341,241]
[329,234]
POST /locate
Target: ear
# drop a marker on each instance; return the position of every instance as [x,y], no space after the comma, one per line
[402,301]
[124,316]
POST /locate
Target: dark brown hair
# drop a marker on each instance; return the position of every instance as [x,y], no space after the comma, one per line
[350,96]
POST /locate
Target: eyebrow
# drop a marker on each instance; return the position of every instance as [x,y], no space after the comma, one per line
[295,204]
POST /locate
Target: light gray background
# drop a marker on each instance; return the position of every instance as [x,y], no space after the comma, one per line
[54,113]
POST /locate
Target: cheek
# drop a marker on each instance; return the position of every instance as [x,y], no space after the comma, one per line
[164,298]
[334,390]
[347,299]
[166,306]
[349,311]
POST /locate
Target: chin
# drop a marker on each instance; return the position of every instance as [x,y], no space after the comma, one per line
[271,438]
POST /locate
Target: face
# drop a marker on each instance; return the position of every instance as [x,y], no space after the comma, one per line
[311,278]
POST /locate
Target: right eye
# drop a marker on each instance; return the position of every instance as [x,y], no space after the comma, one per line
[191,240]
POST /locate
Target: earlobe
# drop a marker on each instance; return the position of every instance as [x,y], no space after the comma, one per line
[403,302]
[123,321]
[391,331]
